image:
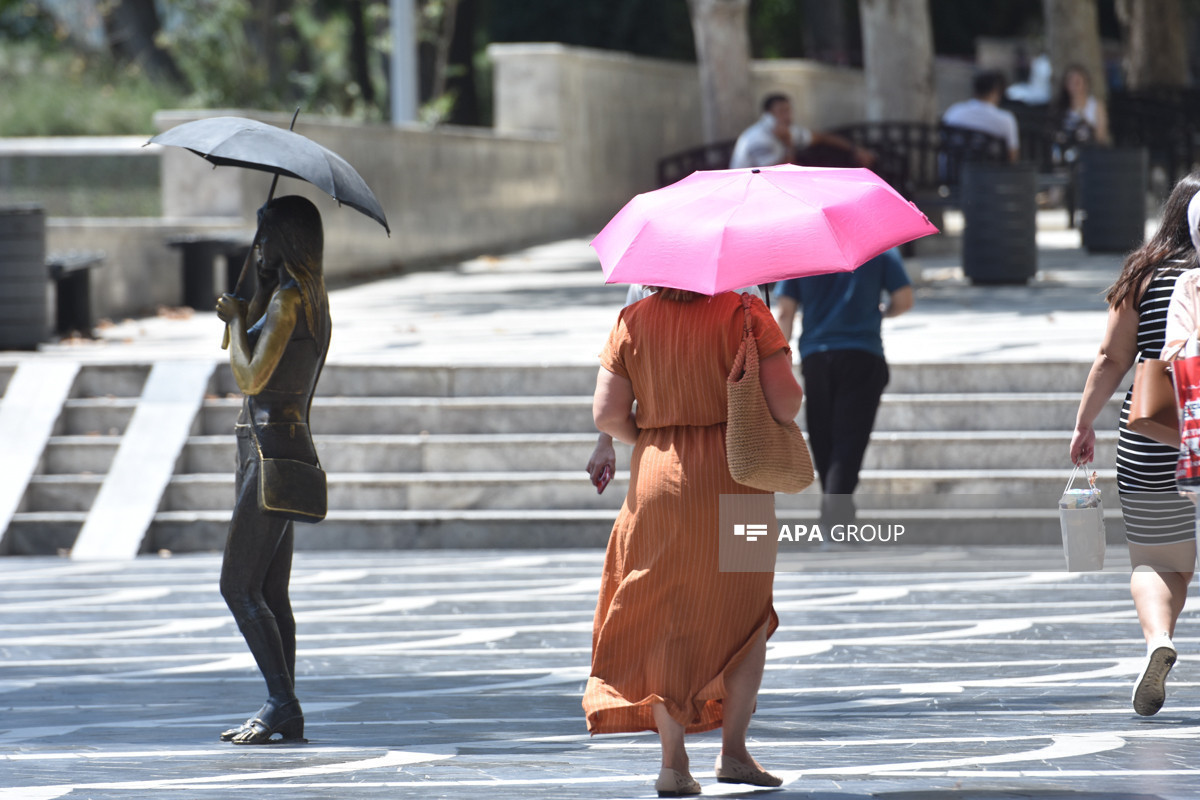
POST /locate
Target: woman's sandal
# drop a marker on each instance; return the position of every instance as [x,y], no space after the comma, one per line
[286,720]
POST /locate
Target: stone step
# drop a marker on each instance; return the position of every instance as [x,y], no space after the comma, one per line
[353,530]
[79,455]
[369,380]
[569,452]
[61,492]
[449,415]
[46,533]
[372,380]
[43,533]
[110,380]
[473,415]
[95,415]
[573,490]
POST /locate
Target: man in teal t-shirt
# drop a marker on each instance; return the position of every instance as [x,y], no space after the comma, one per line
[841,359]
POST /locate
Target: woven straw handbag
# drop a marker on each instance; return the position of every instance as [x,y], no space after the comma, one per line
[762,453]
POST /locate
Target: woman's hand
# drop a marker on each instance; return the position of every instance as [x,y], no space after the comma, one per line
[603,457]
[1083,444]
[230,308]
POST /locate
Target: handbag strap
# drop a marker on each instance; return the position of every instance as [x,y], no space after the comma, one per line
[1074,472]
[1071,480]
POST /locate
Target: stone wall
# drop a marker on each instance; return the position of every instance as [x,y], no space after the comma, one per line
[577,133]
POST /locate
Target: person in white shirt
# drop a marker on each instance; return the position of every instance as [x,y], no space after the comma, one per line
[983,113]
[775,139]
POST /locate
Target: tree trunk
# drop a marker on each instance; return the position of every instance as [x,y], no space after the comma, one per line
[722,39]
[461,79]
[1073,37]
[131,26]
[1157,43]
[360,50]
[898,60]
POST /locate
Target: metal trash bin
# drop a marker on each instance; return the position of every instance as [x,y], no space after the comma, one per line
[1112,198]
[999,206]
[25,297]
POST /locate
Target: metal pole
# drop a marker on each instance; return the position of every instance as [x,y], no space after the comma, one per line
[404,62]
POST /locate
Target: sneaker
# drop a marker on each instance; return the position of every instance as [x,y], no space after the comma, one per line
[1150,691]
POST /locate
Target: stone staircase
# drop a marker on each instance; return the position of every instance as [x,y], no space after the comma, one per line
[493,456]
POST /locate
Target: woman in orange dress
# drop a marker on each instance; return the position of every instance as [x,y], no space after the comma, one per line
[677,645]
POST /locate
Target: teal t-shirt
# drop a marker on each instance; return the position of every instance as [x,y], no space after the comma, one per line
[841,310]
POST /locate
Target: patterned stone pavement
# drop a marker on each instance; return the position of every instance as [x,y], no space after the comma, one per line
[459,675]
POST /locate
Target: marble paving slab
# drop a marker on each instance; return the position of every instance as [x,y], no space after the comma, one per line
[459,675]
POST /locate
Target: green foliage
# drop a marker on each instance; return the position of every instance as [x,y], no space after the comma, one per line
[23,20]
[209,44]
[60,93]
[221,47]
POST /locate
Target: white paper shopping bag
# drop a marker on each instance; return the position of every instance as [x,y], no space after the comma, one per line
[1082,517]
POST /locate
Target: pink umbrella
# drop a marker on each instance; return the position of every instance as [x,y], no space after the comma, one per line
[718,230]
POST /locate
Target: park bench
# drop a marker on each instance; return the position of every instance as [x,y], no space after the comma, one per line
[70,271]
[923,162]
[200,251]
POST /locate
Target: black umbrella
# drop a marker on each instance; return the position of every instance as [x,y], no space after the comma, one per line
[241,142]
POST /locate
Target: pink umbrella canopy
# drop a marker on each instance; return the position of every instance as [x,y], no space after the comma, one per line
[718,230]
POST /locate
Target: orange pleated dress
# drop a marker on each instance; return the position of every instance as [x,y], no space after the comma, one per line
[669,625]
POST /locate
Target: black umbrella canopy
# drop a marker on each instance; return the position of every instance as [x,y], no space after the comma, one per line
[241,142]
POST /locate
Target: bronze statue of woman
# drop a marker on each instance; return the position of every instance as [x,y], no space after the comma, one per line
[277,347]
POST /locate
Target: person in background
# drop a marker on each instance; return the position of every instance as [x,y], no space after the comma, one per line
[1160,526]
[841,358]
[1083,118]
[982,112]
[678,646]
[776,139]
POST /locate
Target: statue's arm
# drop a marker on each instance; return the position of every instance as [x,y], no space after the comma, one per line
[252,369]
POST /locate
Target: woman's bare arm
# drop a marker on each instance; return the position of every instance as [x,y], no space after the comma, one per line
[782,392]
[612,407]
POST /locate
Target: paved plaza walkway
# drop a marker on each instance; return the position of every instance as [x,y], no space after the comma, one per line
[459,675]
[549,305]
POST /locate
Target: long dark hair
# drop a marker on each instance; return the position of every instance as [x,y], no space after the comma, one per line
[293,225]
[1172,240]
[1064,95]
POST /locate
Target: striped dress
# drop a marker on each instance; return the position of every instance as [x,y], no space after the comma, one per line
[1153,510]
[669,625]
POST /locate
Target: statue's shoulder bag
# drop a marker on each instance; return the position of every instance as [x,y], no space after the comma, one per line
[290,488]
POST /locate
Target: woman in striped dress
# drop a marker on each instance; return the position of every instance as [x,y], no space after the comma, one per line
[1160,526]
[677,645]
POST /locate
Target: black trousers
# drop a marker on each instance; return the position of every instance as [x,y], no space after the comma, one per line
[841,396]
